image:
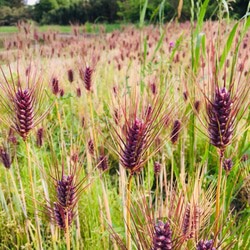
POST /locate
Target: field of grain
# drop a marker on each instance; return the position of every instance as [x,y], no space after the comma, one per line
[132,139]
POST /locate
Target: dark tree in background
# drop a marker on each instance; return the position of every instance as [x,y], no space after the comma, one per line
[64,12]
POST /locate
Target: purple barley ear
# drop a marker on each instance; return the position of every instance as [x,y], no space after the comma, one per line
[83,122]
[91,147]
[59,216]
[66,191]
[135,143]
[157,168]
[75,157]
[70,75]
[220,127]
[227,165]
[55,86]
[205,245]
[103,163]
[78,92]
[244,158]
[39,137]
[191,221]
[5,158]
[24,119]
[148,112]
[185,95]
[197,106]
[175,131]
[162,238]
[87,74]
[153,88]
[61,92]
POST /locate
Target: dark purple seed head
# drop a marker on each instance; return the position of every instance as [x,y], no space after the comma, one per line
[75,158]
[55,86]
[148,112]
[191,221]
[227,165]
[5,158]
[175,131]
[220,127]
[135,143]
[39,137]
[70,75]
[244,158]
[24,120]
[162,238]
[78,92]
[61,92]
[60,216]
[87,78]
[83,122]
[157,168]
[153,88]
[91,147]
[197,105]
[185,95]
[66,191]
[205,245]
[103,163]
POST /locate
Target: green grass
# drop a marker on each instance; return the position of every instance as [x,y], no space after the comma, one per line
[64,29]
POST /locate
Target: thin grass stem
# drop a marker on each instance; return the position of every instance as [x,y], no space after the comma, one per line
[67,231]
[217,212]
[33,195]
[128,212]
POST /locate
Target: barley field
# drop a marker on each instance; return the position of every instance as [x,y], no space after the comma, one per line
[132,139]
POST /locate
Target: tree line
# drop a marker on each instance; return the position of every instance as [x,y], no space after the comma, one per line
[63,12]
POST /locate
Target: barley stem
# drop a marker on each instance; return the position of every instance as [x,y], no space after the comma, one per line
[92,119]
[128,212]
[106,204]
[67,231]
[217,212]
[33,196]
[58,114]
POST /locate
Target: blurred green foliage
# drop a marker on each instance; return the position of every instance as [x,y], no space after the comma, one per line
[63,12]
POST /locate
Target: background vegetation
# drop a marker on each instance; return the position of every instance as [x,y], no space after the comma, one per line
[62,12]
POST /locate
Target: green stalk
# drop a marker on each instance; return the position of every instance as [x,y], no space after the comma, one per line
[67,231]
[33,196]
[128,212]
[217,212]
